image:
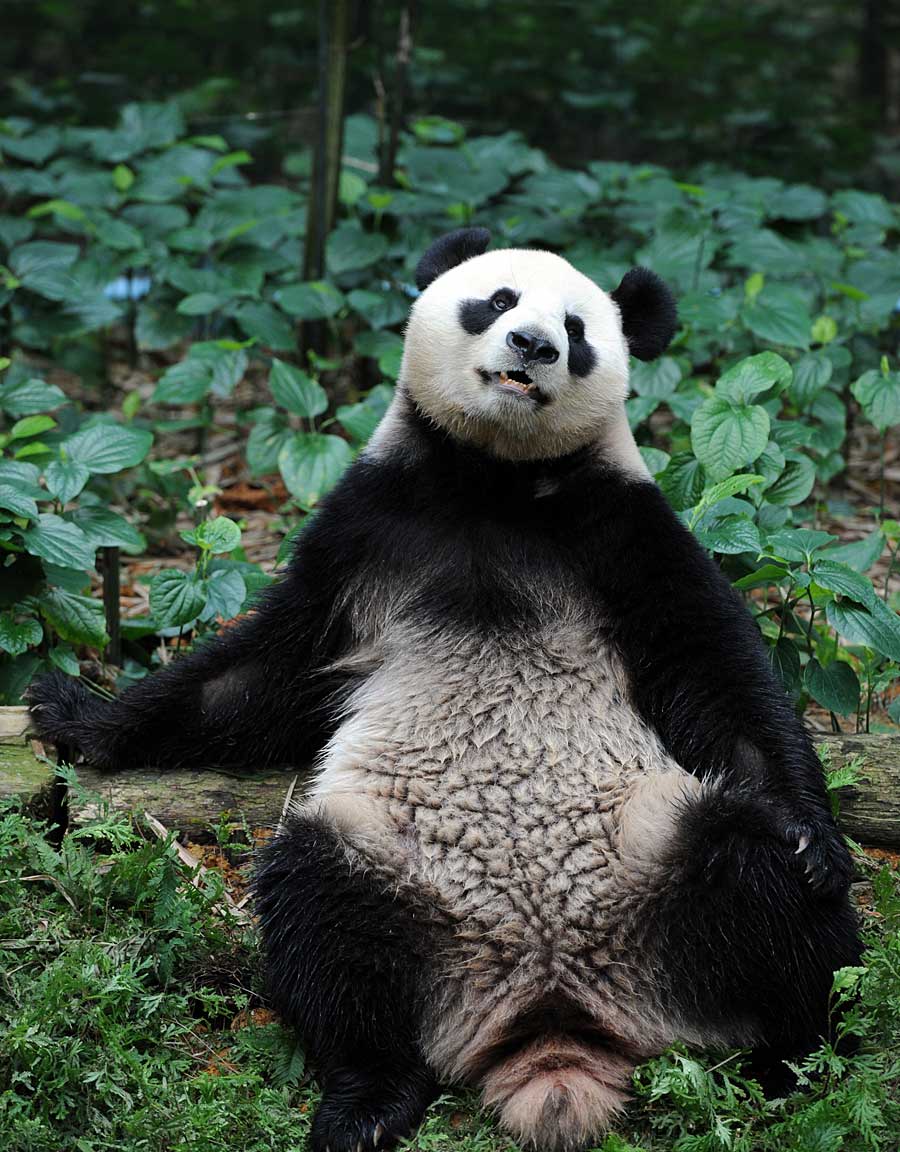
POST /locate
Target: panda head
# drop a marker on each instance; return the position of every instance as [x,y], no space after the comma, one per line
[516,351]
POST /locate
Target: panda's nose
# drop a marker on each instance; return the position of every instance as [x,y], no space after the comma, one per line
[532,347]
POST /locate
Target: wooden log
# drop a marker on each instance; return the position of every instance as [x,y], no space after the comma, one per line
[191,801]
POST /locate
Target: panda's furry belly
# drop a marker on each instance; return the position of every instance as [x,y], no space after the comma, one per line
[509,781]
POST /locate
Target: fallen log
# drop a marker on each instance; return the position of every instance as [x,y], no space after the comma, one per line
[192,801]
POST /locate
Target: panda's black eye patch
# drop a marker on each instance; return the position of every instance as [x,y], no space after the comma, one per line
[582,356]
[574,327]
[476,316]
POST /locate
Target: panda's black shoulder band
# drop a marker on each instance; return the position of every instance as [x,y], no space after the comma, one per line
[448,251]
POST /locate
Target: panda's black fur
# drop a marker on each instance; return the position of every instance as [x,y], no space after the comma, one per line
[735,925]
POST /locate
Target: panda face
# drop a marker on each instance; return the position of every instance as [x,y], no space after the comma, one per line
[518,352]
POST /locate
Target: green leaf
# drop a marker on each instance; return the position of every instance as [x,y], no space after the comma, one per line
[860,554]
[296,391]
[267,437]
[656,460]
[225,595]
[767,574]
[266,324]
[60,542]
[31,426]
[313,300]
[17,636]
[201,304]
[785,660]
[312,463]
[184,383]
[843,580]
[15,501]
[123,177]
[753,375]
[107,529]
[779,314]
[78,619]
[864,208]
[211,365]
[64,658]
[176,598]
[361,419]
[349,248]
[797,544]
[682,481]
[26,397]
[655,378]
[726,437]
[835,687]
[795,483]
[65,479]
[731,535]
[877,628]
[107,448]
[217,535]
[811,373]
[879,395]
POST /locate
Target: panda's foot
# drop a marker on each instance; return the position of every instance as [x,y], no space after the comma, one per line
[362,1111]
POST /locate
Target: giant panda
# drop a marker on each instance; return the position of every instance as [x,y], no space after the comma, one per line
[562,815]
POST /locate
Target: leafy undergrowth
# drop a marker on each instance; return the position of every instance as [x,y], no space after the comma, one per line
[130,1020]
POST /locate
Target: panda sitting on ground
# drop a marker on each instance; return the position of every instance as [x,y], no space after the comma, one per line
[562,814]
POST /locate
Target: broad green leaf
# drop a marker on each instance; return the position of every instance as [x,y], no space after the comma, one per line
[78,619]
[60,542]
[64,658]
[843,580]
[107,529]
[864,208]
[267,438]
[656,378]
[27,397]
[795,483]
[860,554]
[731,535]
[123,177]
[350,248]
[31,426]
[811,373]
[225,595]
[65,479]
[656,460]
[176,598]
[682,481]
[296,391]
[217,535]
[879,395]
[785,660]
[265,323]
[726,437]
[380,309]
[753,375]
[13,500]
[313,300]
[361,419]
[797,544]
[184,383]
[779,314]
[108,448]
[17,636]
[766,574]
[201,304]
[312,463]
[835,687]
[876,627]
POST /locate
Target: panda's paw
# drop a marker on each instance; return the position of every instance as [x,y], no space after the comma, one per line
[57,704]
[817,848]
[360,1113]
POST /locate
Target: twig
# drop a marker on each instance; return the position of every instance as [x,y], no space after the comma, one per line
[200,871]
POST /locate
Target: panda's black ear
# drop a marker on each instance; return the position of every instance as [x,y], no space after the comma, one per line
[448,251]
[649,314]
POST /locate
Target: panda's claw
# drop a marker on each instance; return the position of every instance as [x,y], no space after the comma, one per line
[377,1134]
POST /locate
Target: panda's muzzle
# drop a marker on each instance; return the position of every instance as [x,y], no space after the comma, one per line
[515,381]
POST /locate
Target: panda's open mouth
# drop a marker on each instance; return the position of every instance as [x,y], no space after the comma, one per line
[515,381]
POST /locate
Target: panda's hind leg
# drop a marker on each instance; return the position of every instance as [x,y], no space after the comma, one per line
[747,946]
[345,960]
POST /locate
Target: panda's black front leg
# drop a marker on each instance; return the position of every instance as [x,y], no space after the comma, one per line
[346,965]
[700,676]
